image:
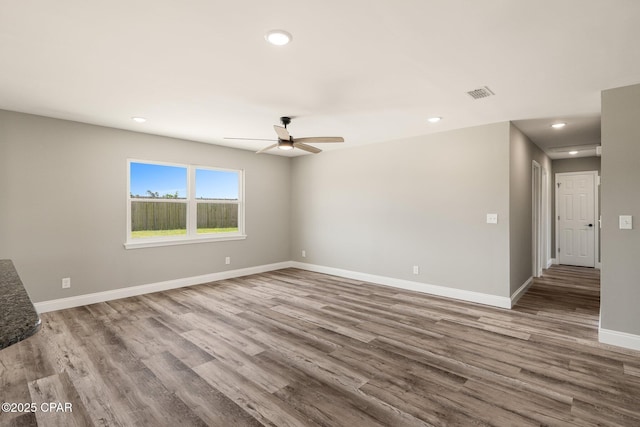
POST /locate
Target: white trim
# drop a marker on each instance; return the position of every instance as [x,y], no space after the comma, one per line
[521,291]
[80,300]
[546,216]
[596,217]
[551,261]
[460,294]
[152,243]
[191,202]
[536,219]
[620,339]
[598,265]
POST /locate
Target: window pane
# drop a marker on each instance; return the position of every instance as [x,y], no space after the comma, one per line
[155,219]
[217,218]
[216,185]
[158,181]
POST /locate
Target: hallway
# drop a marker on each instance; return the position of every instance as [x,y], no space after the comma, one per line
[568,294]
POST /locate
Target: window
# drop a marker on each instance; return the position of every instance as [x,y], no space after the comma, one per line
[217,198]
[177,204]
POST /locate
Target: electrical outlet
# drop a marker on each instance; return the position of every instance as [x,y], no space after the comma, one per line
[416,269]
[304,253]
[66,283]
[492,218]
[227,260]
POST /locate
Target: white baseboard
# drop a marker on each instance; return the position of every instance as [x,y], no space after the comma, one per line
[620,339]
[460,294]
[80,300]
[443,291]
[520,291]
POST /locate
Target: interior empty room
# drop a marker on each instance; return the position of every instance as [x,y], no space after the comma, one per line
[286,213]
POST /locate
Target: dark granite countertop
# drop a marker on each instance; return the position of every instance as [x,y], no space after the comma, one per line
[18,317]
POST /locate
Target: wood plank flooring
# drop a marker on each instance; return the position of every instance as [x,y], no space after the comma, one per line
[295,348]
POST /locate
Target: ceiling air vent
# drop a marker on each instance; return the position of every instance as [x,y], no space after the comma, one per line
[483,92]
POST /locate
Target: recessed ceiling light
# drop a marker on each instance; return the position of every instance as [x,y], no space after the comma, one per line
[573,153]
[434,119]
[558,125]
[278,37]
[139,119]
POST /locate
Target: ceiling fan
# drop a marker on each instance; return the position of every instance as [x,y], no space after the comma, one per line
[287,142]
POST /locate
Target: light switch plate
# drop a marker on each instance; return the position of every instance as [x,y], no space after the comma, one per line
[626,222]
[492,218]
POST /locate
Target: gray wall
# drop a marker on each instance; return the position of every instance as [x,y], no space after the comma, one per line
[63,207]
[522,153]
[379,209]
[423,201]
[620,283]
[579,164]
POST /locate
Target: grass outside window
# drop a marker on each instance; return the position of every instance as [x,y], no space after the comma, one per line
[180,232]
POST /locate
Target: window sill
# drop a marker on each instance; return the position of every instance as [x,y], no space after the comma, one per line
[153,243]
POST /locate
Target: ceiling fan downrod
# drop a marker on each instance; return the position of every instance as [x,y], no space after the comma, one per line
[285,121]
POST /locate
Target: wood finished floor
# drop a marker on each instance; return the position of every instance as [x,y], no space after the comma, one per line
[295,348]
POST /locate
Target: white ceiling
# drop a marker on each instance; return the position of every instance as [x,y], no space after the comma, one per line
[368,70]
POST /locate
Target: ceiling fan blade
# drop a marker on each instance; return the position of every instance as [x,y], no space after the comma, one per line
[306,147]
[282,132]
[267,148]
[317,139]
[251,139]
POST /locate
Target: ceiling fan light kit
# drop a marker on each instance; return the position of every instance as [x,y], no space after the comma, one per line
[285,145]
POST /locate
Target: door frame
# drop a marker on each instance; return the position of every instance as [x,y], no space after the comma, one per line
[546,220]
[596,206]
[540,214]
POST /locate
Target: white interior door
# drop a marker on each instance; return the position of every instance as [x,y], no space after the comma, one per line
[576,222]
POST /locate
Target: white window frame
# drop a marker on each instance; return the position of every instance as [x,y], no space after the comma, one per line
[192,235]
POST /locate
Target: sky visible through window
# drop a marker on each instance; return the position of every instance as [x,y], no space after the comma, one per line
[165,180]
[213,184]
